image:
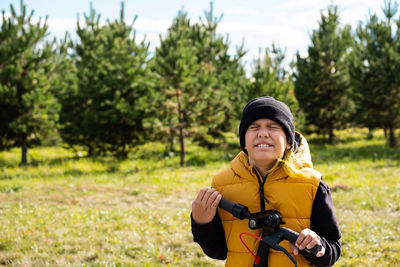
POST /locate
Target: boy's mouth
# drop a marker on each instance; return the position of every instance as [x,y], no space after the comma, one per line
[263,145]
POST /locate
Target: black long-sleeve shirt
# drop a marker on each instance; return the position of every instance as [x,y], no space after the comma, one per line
[211,237]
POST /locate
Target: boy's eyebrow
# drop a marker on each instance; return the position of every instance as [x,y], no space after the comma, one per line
[271,123]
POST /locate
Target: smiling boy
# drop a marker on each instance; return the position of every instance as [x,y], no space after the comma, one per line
[273,171]
[265,142]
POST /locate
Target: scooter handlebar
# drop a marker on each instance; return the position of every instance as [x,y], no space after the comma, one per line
[239,211]
[226,205]
[292,236]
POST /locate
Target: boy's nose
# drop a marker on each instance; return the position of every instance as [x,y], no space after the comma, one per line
[263,132]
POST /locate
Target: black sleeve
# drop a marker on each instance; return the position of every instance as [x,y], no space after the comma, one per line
[325,224]
[211,237]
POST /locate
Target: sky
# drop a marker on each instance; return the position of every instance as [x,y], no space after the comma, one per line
[287,23]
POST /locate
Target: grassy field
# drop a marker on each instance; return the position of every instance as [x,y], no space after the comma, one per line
[64,210]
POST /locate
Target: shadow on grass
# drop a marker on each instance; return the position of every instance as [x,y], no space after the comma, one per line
[320,140]
[64,166]
[4,163]
[153,156]
[325,153]
[195,155]
[37,162]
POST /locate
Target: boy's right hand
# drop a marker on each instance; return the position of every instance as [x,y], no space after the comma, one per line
[205,205]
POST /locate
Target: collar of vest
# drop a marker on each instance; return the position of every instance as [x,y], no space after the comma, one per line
[240,165]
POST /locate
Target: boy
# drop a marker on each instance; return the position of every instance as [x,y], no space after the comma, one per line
[274,171]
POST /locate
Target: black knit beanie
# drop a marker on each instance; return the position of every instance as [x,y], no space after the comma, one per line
[267,107]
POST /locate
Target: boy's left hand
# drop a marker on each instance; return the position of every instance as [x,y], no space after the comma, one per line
[307,240]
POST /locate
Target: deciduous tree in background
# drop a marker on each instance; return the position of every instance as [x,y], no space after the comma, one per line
[321,78]
[28,109]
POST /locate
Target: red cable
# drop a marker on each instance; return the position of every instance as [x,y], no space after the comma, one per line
[256,258]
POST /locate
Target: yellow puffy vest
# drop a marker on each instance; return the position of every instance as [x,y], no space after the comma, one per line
[292,197]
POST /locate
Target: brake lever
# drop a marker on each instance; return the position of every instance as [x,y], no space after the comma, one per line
[273,241]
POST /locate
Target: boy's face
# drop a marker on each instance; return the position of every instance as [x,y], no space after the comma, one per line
[265,142]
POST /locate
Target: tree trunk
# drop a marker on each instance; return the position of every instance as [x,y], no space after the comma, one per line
[124,154]
[181,135]
[171,141]
[24,151]
[331,136]
[90,151]
[392,137]
[370,134]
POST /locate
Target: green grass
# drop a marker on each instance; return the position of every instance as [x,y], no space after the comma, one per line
[64,210]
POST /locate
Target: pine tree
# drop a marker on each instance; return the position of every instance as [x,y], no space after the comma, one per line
[221,80]
[321,78]
[176,64]
[28,109]
[374,68]
[269,77]
[200,82]
[106,110]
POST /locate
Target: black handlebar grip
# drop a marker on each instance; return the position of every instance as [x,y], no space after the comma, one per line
[226,205]
[315,249]
[292,237]
[237,210]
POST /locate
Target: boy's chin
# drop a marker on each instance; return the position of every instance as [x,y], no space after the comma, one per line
[260,157]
